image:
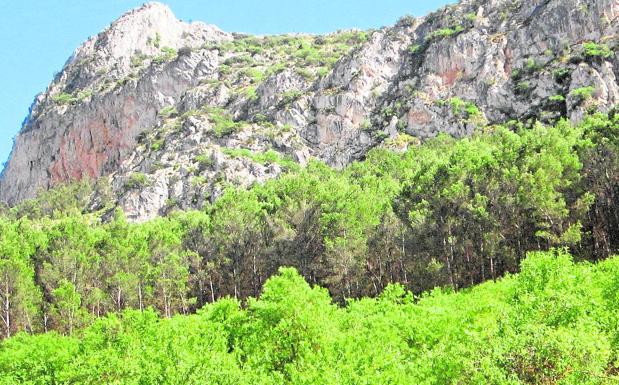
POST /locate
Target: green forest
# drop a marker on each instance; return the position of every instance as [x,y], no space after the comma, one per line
[476,260]
[554,323]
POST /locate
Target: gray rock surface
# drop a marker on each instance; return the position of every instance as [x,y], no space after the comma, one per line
[171,113]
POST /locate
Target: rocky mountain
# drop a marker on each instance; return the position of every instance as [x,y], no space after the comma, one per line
[166,113]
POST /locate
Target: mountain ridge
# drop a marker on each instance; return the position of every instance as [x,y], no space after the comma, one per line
[169,113]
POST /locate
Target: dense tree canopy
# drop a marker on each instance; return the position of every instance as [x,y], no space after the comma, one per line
[554,323]
[448,213]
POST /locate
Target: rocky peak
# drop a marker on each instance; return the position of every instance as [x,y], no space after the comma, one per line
[151,30]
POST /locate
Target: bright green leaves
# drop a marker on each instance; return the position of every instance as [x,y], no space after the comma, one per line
[553,323]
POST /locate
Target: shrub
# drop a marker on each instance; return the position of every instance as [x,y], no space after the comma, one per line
[594,51]
[168,111]
[156,145]
[136,180]
[583,93]
[155,42]
[444,32]
[406,21]
[254,74]
[167,54]
[267,157]
[276,68]
[290,96]
[251,94]
[523,87]
[463,108]
[414,49]
[322,72]
[561,74]
[239,60]
[64,98]
[223,122]
[472,17]
[304,73]
[198,180]
[532,65]
[137,60]
[557,98]
[204,161]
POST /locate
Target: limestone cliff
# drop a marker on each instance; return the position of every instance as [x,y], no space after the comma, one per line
[170,112]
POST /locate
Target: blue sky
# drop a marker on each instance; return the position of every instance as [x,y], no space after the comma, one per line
[38,36]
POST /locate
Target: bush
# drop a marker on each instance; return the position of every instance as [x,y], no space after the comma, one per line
[561,74]
[251,94]
[136,180]
[557,98]
[583,93]
[596,51]
[549,325]
[445,32]
[523,87]
[168,112]
[463,108]
[204,161]
[291,96]
[138,59]
[64,98]
[254,74]
[167,54]
[414,49]
[223,123]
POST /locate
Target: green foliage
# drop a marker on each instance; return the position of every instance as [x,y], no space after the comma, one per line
[557,98]
[136,180]
[561,74]
[448,213]
[553,323]
[414,49]
[256,75]
[251,94]
[204,161]
[472,17]
[168,111]
[461,107]
[167,54]
[523,87]
[596,51]
[223,124]
[444,33]
[323,71]
[583,93]
[257,58]
[156,41]
[64,98]
[266,157]
[290,96]
[157,144]
[59,201]
[138,59]
[532,65]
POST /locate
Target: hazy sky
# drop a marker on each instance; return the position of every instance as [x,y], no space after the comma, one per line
[38,36]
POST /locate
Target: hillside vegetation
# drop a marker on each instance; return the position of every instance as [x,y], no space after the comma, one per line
[446,213]
[554,323]
[173,300]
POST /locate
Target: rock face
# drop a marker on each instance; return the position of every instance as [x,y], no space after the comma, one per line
[170,113]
